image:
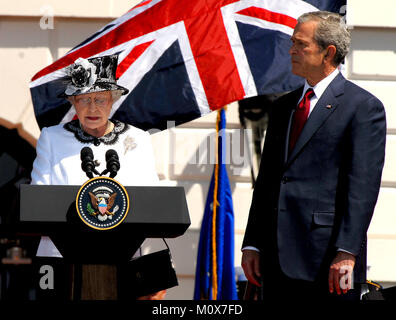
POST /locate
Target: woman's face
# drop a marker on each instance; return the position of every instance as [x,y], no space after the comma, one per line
[93,109]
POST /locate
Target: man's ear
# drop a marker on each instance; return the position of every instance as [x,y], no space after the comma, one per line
[330,53]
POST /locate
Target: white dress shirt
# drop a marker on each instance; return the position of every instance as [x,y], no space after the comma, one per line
[318,89]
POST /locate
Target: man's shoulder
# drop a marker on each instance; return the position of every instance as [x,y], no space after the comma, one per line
[352,88]
[360,97]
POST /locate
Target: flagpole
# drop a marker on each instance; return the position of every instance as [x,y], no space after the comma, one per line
[214,233]
[215,204]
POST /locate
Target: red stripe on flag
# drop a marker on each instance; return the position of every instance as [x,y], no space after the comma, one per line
[270,16]
[215,59]
[135,53]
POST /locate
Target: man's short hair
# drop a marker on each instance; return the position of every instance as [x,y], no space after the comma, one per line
[331,30]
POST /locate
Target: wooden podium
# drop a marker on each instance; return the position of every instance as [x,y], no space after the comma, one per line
[154,212]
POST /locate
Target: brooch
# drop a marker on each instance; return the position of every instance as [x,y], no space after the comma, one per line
[129,144]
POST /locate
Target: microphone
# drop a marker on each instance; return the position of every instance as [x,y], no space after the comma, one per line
[112,162]
[87,164]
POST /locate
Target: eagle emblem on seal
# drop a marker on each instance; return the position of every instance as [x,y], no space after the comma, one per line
[101,205]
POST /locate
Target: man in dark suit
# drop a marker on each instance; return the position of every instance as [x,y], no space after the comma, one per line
[319,176]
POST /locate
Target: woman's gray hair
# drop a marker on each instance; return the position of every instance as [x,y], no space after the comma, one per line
[331,30]
[116,94]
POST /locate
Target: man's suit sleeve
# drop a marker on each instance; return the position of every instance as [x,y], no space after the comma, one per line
[254,233]
[364,170]
[255,223]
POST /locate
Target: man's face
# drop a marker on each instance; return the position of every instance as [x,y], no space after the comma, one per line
[307,57]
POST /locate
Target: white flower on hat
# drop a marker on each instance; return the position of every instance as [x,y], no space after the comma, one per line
[83,76]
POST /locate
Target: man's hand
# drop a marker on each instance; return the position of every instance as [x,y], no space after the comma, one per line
[341,272]
[251,266]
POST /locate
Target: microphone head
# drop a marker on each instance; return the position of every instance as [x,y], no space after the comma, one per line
[111,154]
[112,162]
[86,153]
[87,164]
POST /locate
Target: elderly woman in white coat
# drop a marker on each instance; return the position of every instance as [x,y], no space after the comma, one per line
[92,90]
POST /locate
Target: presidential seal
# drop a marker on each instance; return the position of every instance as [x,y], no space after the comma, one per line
[102,203]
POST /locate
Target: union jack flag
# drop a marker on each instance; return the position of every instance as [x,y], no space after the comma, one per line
[181,59]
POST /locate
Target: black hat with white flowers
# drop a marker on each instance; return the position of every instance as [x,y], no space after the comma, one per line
[92,75]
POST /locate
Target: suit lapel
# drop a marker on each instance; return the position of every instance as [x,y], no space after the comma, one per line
[288,117]
[326,105]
